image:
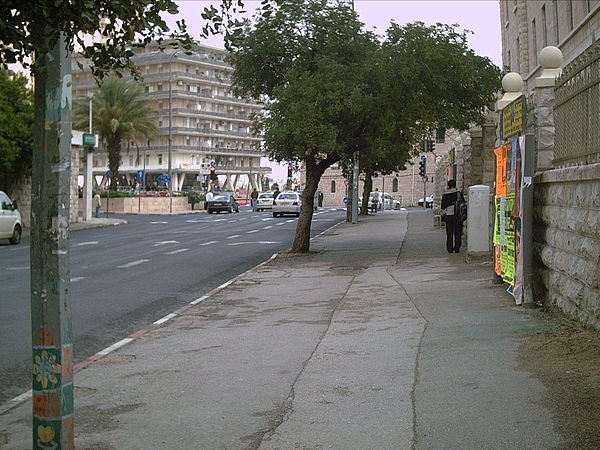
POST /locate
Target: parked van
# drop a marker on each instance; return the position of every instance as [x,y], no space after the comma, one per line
[11,226]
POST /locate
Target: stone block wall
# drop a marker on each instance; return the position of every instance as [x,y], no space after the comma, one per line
[567,241]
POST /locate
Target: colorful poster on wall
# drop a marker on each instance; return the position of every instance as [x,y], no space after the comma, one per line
[501,168]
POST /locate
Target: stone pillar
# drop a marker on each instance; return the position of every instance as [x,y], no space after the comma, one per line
[543,103]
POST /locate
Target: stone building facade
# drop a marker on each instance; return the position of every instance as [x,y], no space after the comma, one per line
[562,90]
[405,185]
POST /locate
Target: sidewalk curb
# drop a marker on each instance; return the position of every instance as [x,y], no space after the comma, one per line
[10,404]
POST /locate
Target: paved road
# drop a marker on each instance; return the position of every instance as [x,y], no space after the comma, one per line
[124,278]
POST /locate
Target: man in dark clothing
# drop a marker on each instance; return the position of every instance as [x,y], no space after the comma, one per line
[454,226]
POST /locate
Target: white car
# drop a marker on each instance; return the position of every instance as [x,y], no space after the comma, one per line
[10,220]
[428,200]
[264,201]
[287,203]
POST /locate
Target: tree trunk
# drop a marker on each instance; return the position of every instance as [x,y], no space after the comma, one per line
[368,187]
[114,159]
[314,171]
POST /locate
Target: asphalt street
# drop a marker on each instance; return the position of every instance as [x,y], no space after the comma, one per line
[124,278]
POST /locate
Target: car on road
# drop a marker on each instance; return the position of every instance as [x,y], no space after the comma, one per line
[11,226]
[428,202]
[386,201]
[287,203]
[222,203]
[264,201]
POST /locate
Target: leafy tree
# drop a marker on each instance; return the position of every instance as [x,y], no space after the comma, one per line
[120,115]
[16,127]
[35,27]
[307,61]
[428,78]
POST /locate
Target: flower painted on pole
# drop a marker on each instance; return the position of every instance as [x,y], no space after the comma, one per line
[46,437]
[45,369]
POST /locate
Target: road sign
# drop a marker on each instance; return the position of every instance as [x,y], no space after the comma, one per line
[139,176]
[204,170]
[423,157]
[163,178]
[213,164]
[345,200]
[109,174]
[89,139]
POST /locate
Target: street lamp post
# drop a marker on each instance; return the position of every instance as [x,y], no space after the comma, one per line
[87,194]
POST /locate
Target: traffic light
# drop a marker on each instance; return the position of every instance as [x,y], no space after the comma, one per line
[423,166]
[290,170]
[213,173]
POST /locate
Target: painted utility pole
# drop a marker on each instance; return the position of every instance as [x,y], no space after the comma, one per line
[52,352]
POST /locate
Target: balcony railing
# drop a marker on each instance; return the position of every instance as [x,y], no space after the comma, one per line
[198,112]
[194,130]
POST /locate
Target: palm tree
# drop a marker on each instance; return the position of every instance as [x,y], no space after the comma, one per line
[120,115]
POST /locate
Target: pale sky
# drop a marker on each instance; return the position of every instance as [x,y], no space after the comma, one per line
[480,16]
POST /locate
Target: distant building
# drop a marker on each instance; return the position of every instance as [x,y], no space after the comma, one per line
[208,124]
[405,185]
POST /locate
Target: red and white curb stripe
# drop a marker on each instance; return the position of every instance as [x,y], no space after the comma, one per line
[102,353]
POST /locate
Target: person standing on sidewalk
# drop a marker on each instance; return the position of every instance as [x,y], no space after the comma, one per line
[253,199]
[97,205]
[454,226]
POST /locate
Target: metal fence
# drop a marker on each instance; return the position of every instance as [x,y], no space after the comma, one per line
[577,111]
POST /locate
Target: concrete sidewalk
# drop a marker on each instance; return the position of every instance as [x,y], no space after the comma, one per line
[377,339]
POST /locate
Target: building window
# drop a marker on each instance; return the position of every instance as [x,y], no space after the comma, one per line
[159,156]
[518,56]
[395,185]
[160,123]
[556,27]
[333,186]
[570,13]
[509,61]
[440,135]
[544,28]
[534,45]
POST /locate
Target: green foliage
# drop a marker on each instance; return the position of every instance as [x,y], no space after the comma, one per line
[307,60]
[16,127]
[28,28]
[120,114]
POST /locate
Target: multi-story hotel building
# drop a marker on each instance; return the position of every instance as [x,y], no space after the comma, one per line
[191,94]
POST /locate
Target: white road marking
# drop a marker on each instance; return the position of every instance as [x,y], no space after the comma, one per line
[115,346]
[164,319]
[232,221]
[252,231]
[86,243]
[209,242]
[268,218]
[174,252]
[160,221]
[267,227]
[76,279]
[195,221]
[224,285]
[219,220]
[134,263]
[280,223]
[255,242]
[18,268]
[157,244]
[180,232]
[198,300]
[233,237]
[291,220]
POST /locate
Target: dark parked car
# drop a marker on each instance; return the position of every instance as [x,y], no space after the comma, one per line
[220,203]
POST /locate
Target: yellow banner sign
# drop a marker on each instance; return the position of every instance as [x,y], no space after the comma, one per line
[513,118]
